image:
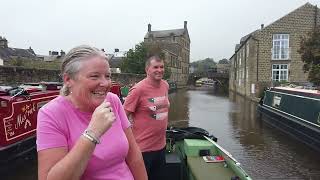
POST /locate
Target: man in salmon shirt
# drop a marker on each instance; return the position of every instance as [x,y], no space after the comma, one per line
[147,104]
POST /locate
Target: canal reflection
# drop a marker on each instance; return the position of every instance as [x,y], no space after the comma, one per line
[179,109]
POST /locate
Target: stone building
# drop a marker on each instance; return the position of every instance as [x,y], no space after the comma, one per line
[270,55]
[8,53]
[53,56]
[115,60]
[175,44]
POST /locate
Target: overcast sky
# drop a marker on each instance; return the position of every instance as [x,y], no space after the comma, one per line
[214,26]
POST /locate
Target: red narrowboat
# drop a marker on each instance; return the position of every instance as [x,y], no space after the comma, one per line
[18,114]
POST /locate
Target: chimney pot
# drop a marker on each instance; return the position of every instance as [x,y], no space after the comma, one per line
[149,27]
[3,42]
[185,24]
[262,26]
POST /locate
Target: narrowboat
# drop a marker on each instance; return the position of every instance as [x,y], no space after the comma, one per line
[294,111]
[172,86]
[205,82]
[18,113]
[198,83]
[193,154]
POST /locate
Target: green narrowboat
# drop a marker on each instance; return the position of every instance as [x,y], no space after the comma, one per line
[294,111]
[192,154]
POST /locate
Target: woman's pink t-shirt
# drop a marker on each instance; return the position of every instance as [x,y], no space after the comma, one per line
[60,124]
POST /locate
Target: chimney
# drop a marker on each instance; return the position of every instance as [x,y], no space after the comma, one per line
[185,25]
[3,42]
[31,50]
[262,26]
[116,50]
[149,27]
[62,53]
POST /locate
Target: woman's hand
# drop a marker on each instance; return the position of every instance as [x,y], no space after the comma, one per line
[102,119]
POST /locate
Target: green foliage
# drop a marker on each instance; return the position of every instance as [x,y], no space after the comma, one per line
[17,61]
[203,65]
[310,54]
[134,61]
[224,61]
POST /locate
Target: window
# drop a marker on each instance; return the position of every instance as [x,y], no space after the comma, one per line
[247,49]
[280,48]
[240,77]
[276,101]
[280,72]
[247,73]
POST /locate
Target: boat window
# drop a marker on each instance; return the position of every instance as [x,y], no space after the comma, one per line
[276,101]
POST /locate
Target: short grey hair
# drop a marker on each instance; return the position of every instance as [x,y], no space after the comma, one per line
[153,57]
[72,62]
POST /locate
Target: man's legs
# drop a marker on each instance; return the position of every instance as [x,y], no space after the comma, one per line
[154,162]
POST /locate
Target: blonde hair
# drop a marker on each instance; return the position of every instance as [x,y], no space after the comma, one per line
[72,62]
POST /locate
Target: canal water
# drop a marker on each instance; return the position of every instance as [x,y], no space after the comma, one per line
[263,151]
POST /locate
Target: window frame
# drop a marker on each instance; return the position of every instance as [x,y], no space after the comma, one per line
[280,70]
[280,45]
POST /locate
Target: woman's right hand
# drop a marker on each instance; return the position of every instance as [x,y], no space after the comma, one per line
[102,119]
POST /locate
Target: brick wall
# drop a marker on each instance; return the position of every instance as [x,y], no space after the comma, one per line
[10,75]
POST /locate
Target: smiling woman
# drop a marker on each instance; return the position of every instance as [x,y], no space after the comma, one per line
[84,133]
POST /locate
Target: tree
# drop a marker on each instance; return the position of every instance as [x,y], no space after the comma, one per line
[17,61]
[203,66]
[310,54]
[134,61]
[224,61]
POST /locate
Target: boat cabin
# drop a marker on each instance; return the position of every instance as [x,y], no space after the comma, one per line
[294,111]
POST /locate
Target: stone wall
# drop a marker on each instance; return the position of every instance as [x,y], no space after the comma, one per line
[297,24]
[251,68]
[11,75]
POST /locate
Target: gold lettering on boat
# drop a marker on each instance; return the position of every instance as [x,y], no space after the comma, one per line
[23,118]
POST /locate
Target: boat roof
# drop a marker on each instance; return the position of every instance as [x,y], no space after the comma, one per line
[298,91]
[311,91]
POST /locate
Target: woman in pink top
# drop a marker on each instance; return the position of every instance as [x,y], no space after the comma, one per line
[84,133]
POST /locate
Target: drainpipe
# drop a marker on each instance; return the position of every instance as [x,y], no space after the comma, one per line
[315,16]
[257,40]
[245,68]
